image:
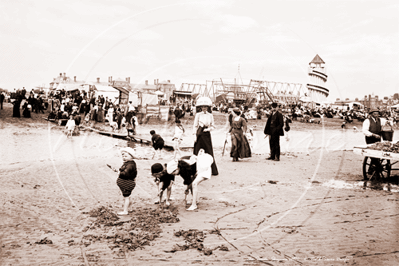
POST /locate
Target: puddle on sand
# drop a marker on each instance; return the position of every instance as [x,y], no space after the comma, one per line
[360,185]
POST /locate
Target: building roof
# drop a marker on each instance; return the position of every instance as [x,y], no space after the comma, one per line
[143,86]
[317,60]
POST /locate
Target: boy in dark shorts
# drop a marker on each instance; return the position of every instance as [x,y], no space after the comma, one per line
[164,178]
[157,142]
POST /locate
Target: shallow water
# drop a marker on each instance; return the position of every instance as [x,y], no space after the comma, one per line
[360,185]
[311,140]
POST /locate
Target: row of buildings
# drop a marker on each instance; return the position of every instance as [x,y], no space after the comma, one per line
[370,101]
[314,92]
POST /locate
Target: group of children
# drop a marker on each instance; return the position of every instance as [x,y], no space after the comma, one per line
[158,142]
[193,169]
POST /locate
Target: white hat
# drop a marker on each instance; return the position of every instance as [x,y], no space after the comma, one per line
[171,166]
[204,101]
[129,150]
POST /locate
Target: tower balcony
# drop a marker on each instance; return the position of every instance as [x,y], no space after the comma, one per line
[320,72]
[318,88]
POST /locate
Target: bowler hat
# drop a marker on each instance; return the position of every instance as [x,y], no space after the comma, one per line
[374,110]
[274,105]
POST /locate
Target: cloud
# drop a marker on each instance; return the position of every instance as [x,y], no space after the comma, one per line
[95,9]
[235,24]
[366,45]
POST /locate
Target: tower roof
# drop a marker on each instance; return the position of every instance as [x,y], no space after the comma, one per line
[317,60]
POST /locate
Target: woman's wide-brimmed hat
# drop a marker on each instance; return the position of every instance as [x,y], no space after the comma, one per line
[204,101]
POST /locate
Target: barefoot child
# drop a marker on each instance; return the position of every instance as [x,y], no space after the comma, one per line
[70,126]
[127,177]
[164,178]
[204,172]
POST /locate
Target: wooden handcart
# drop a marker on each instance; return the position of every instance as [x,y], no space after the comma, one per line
[377,164]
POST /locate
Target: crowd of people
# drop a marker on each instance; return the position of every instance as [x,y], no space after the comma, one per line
[201,165]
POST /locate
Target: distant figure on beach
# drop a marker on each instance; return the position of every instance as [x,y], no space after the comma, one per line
[15,109]
[203,124]
[372,129]
[1,100]
[239,143]
[26,110]
[158,143]
[70,126]
[177,139]
[179,113]
[274,129]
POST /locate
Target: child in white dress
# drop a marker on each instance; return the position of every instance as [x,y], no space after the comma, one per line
[177,139]
[70,126]
[204,172]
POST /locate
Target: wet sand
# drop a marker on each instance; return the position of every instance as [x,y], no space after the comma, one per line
[290,212]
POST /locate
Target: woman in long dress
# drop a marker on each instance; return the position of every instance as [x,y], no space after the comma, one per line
[239,144]
[15,110]
[203,124]
[100,113]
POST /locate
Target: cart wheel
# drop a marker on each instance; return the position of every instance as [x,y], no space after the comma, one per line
[381,171]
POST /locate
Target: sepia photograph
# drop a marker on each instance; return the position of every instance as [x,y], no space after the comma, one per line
[199,132]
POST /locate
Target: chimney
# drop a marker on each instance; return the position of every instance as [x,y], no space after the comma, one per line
[155,82]
[98,80]
[146,82]
[60,75]
[128,80]
[168,80]
[64,75]
[74,78]
[110,79]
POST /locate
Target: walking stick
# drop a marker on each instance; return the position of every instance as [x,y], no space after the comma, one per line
[224,146]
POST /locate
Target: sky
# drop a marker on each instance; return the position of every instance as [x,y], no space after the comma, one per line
[201,41]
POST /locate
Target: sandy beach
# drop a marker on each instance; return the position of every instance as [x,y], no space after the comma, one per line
[308,209]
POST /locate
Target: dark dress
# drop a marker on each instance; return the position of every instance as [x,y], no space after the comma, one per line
[204,141]
[26,111]
[15,110]
[239,144]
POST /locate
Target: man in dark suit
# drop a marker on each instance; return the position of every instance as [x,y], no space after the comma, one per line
[274,129]
[1,100]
